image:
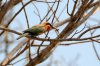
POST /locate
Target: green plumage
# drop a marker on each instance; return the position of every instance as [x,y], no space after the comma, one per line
[33,31]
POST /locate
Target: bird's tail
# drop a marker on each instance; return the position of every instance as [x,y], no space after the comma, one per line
[23,35]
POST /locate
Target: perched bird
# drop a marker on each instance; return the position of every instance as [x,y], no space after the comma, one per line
[37,30]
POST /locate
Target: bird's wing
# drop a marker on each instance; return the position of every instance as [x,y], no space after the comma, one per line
[23,35]
[35,30]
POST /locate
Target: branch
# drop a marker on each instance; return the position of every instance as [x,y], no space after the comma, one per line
[97,27]
[43,39]
[9,30]
[11,54]
[7,7]
[45,52]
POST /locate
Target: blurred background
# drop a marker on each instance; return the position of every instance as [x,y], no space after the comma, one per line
[25,14]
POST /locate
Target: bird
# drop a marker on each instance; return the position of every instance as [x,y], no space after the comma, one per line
[37,30]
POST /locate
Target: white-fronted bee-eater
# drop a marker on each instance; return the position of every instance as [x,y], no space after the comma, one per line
[37,30]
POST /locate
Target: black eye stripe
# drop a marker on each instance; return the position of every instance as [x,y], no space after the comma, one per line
[48,24]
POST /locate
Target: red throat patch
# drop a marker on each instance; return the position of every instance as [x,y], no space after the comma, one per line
[48,27]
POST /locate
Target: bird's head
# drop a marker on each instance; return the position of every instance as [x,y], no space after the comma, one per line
[49,26]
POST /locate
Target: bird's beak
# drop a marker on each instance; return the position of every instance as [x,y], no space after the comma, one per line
[55,28]
[52,26]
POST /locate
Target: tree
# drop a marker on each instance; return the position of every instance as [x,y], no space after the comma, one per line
[58,15]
